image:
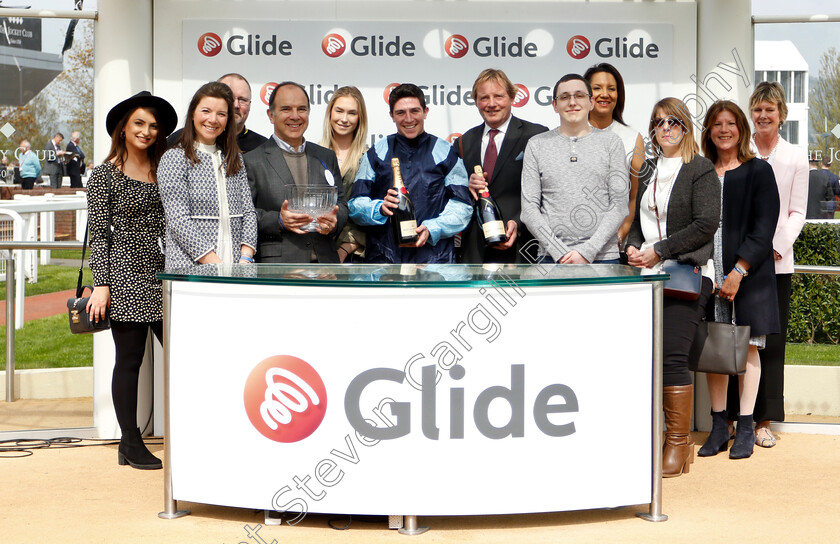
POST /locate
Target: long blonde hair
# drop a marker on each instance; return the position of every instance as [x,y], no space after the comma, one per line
[676,108]
[359,145]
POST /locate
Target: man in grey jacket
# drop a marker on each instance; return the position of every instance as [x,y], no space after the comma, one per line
[575,183]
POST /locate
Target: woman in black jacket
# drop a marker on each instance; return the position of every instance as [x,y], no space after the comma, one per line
[676,218]
[744,264]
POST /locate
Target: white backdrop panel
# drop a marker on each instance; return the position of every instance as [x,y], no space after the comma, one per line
[552,335]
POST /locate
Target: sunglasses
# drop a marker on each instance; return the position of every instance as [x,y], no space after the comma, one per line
[667,122]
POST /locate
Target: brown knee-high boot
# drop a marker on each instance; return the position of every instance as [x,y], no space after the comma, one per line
[678,452]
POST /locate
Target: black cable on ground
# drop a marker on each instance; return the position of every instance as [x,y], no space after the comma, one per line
[24,447]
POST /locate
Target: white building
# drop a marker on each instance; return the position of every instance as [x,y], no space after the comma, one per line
[781,61]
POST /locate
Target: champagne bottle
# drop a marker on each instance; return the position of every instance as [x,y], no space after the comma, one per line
[489,216]
[403,222]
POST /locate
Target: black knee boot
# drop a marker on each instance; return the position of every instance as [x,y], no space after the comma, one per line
[718,439]
[744,438]
[133,451]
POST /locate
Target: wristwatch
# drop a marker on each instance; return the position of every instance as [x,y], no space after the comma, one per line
[740,270]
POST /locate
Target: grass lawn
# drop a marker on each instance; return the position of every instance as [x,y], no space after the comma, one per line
[51,278]
[47,343]
[69,254]
[813,354]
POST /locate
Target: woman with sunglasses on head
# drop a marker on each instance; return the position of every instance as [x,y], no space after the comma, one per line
[790,167]
[607,111]
[345,132]
[210,216]
[744,264]
[677,215]
[126,222]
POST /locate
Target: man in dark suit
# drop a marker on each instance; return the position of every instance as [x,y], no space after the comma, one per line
[286,160]
[53,163]
[819,192]
[501,159]
[76,165]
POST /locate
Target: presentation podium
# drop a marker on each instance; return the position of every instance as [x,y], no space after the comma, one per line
[413,390]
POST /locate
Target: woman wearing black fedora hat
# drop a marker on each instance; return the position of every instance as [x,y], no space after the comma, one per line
[126,222]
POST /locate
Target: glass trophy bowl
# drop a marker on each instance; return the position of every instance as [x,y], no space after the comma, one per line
[314,201]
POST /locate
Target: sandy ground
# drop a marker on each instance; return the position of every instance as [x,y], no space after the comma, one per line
[790,493]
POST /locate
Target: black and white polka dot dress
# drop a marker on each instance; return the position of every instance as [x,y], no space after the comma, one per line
[136,254]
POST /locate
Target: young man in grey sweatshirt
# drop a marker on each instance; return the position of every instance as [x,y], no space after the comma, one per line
[575,183]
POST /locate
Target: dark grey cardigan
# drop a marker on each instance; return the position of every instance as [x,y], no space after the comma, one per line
[693,215]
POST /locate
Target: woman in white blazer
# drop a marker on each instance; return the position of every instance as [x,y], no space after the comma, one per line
[790,166]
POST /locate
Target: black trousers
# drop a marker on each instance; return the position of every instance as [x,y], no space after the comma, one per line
[27,183]
[679,324]
[770,402]
[130,344]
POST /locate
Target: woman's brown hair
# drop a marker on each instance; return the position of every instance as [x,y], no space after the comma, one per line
[119,152]
[226,140]
[709,149]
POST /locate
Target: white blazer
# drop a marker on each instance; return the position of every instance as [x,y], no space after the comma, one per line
[790,166]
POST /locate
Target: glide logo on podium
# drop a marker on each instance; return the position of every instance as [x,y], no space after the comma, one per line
[285,398]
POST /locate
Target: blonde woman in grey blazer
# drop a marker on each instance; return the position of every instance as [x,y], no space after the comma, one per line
[210,216]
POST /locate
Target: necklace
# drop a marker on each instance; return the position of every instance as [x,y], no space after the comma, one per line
[772,151]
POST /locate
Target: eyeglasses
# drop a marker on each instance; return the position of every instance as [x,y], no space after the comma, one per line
[667,122]
[565,97]
[242,101]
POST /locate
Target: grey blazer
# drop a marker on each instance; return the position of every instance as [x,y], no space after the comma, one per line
[188,193]
[693,215]
[268,175]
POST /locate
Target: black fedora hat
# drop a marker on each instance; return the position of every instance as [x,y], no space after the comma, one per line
[167,118]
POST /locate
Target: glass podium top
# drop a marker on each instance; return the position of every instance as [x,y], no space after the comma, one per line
[413,275]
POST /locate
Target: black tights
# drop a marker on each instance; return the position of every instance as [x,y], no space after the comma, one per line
[130,344]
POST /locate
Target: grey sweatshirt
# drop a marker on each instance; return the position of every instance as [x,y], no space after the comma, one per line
[575,193]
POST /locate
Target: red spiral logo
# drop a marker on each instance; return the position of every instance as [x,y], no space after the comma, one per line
[266,90]
[388,89]
[209,44]
[333,45]
[523,95]
[285,398]
[578,46]
[456,46]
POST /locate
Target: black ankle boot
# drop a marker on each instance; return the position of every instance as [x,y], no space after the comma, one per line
[744,438]
[133,451]
[718,439]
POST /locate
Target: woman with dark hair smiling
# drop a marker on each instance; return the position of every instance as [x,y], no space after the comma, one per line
[125,218]
[744,269]
[210,216]
[607,111]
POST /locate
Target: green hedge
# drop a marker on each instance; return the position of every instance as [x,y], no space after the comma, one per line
[815,299]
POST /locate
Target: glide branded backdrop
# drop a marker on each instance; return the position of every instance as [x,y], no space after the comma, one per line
[442,58]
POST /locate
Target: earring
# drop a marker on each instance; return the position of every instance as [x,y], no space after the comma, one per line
[122,135]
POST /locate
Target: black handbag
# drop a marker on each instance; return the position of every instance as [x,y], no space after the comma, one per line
[720,348]
[80,322]
[685,280]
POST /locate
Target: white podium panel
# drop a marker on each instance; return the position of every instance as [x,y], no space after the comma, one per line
[422,401]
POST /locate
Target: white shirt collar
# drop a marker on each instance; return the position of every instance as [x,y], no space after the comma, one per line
[502,128]
[288,148]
